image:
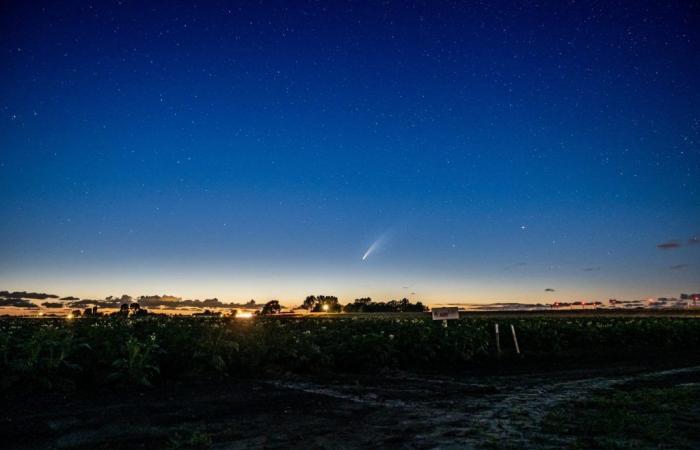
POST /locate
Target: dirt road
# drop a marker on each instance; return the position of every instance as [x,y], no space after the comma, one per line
[395,411]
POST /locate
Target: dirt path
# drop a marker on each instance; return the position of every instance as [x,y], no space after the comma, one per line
[502,411]
[398,411]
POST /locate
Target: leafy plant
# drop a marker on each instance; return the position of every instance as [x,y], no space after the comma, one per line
[53,353]
[137,365]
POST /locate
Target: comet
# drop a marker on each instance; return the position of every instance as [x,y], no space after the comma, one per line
[369,250]
[373,247]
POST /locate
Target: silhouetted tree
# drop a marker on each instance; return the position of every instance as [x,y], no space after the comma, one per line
[367,305]
[322,303]
[309,302]
[271,307]
[358,306]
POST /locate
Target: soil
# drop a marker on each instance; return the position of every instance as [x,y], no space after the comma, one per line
[396,410]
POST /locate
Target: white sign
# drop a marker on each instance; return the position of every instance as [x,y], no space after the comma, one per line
[450,313]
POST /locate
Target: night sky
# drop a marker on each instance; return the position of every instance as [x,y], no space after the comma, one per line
[489,151]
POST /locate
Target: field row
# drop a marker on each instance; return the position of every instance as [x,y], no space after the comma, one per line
[97,351]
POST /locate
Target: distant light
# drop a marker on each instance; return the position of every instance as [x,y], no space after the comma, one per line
[69,316]
[244,315]
[325,307]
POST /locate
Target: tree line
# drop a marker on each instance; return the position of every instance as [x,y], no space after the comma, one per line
[330,304]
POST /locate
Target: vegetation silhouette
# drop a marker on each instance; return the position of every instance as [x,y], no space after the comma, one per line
[322,303]
[366,304]
[271,307]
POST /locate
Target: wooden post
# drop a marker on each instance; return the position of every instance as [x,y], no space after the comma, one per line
[515,340]
[498,341]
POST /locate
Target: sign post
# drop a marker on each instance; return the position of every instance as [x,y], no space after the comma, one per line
[445,314]
[451,313]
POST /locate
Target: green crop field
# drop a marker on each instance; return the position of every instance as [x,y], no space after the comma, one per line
[89,352]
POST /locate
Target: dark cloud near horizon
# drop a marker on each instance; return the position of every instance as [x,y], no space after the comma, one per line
[52,305]
[591,269]
[29,295]
[85,303]
[498,306]
[70,298]
[550,290]
[678,266]
[694,240]
[17,303]
[158,300]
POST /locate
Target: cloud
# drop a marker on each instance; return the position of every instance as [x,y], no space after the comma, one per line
[550,290]
[158,300]
[90,303]
[669,245]
[70,298]
[678,266]
[23,294]
[52,305]
[17,303]
[499,306]
[591,269]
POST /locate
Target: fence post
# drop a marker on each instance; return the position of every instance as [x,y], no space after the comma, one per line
[498,341]
[515,339]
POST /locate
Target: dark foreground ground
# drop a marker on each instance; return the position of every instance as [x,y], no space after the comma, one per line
[613,407]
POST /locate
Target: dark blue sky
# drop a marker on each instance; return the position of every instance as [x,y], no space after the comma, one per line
[258,150]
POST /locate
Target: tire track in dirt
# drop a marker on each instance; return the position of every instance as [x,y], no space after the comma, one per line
[505,411]
[516,418]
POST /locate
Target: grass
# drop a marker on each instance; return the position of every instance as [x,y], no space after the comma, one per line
[637,417]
